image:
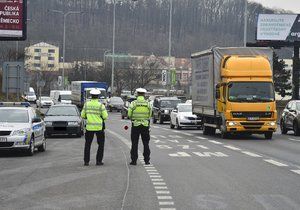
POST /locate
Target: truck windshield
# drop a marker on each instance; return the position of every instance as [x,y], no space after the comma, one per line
[251,92]
[65,97]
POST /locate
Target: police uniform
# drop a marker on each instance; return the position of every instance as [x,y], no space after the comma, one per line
[95,114]
[140,113]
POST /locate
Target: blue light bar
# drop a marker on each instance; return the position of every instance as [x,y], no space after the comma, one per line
[15,104]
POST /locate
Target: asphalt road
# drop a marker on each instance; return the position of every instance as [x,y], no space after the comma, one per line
[188,171]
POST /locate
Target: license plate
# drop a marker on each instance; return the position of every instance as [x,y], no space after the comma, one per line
[253,118]
[3,139]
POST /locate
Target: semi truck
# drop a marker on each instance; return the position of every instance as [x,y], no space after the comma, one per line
[81,91]
[233,91]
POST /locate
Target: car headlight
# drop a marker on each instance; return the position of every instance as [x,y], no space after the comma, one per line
[48,123]
[182,117]
[21,132]
[166,111]
[73,123]
[271,123]
[232,123]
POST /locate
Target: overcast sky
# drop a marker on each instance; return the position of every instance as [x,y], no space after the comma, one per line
[293,5]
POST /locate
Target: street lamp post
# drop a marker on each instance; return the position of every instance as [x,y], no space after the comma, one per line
[113,49]
[65,15]
[245,22]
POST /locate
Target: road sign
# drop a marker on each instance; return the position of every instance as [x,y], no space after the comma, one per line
[164,77]
[13,77]
[173,76]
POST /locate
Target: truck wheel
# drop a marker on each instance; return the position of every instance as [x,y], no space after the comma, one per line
[283,128]
[212,131]
[205,130]
[296,129]
[225,135]
[30,150]
[42,148]
[161,121]
[268,135]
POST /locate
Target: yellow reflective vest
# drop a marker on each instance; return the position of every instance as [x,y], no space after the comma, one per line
[95,113]
[140,112]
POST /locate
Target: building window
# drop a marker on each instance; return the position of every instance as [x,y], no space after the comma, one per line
[37,65]
[37,50]
[51,58]
[37,57]
[51,51]
[51,65]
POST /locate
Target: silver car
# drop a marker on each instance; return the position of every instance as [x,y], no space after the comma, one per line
[21,128]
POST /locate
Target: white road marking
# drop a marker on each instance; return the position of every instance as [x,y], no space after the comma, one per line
[160,187]
[149,167]
[154,126]
[251,154]
[187,134]
[176,131]
[296,171]
[191,141]
[164,147]
[215,142]
[180,154]
[167,209]
[163,192]
[209,154]
[155,176]
[165,129]
[155,141]
[175,137]
[294,139]
[165,197]
[153,173]
[174,141]
[164,203]
[157,180]
[184,146]
[276,163]
[151,170]
[154,137]
[202,146]
[159,183]
[232,147]
[199,137]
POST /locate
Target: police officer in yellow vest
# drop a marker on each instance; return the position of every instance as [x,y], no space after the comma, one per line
[140,113]
[95,114]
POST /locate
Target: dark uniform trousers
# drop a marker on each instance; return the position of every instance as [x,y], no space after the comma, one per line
[89,136]
[135,134]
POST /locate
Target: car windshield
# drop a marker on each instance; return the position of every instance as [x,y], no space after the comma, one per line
[65,97]
[62,111]
[14,116]
[116,100]
[251,92]
[185,108]
[169,103]
[31,93]
[45,98]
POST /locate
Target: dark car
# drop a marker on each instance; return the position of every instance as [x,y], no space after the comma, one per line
[290,118]
[63,119]
[124,110]
[115,103]
[162,108]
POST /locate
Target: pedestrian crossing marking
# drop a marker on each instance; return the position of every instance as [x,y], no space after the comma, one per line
[180,154]
[210,154]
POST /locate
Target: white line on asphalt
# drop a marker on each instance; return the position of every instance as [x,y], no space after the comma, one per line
[157,180]
[167,209]
[149,167]
[199,137]
[176,131]
[165,129]
[155,176]
[166,197]
[251,154]
[276,163]
[166,203]
[187,134]
[232,147]
[162,192]
[151,170]
[160,187]
[202,146]
[159,183]
[215,142]
[296,171]
[153,173]
[294,140]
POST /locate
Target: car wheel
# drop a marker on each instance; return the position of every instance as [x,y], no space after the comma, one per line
[177,125]
[161,121]
[123,117]
[268,135]
[283,128]
[225,135]
[296,129]
[30,150]
[42,148]
[154,120]
[171,125]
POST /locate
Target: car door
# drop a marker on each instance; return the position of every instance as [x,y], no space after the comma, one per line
[288,115]
[292,114]
[38,128]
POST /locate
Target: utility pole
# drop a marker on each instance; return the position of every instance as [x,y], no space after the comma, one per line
[245,22]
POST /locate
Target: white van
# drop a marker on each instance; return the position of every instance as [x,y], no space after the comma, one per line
[30,95]
[62,97]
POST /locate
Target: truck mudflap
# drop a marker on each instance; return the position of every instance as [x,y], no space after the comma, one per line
[251,127]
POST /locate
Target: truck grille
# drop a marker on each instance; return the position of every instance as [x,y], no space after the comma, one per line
[6,144]
[5,133]
[252,125]
[252,114]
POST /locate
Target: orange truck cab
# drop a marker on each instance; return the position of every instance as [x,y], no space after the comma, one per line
[233,91]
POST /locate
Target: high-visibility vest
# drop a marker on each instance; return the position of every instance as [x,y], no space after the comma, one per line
[140,112]
[95,113]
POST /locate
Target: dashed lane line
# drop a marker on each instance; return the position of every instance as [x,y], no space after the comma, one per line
[291,139]
[215,142]
[166,203]
[276,163]
[296,171]
[163,192]
[164,197]
[251,154]
[200,137]
[232,147]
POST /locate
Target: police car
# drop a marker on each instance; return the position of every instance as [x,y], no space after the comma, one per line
[21,128]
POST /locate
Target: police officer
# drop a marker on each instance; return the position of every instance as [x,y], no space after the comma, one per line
[95,114]
[140,113]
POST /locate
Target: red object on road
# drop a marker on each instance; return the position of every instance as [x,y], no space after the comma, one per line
[126,127]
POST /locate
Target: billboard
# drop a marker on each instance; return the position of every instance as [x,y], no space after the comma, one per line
[278,27]
[13,18]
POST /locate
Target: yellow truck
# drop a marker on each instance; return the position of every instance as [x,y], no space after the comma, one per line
[233,91]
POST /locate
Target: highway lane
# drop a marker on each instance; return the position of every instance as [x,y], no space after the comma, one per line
[188,171]
[207,172]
